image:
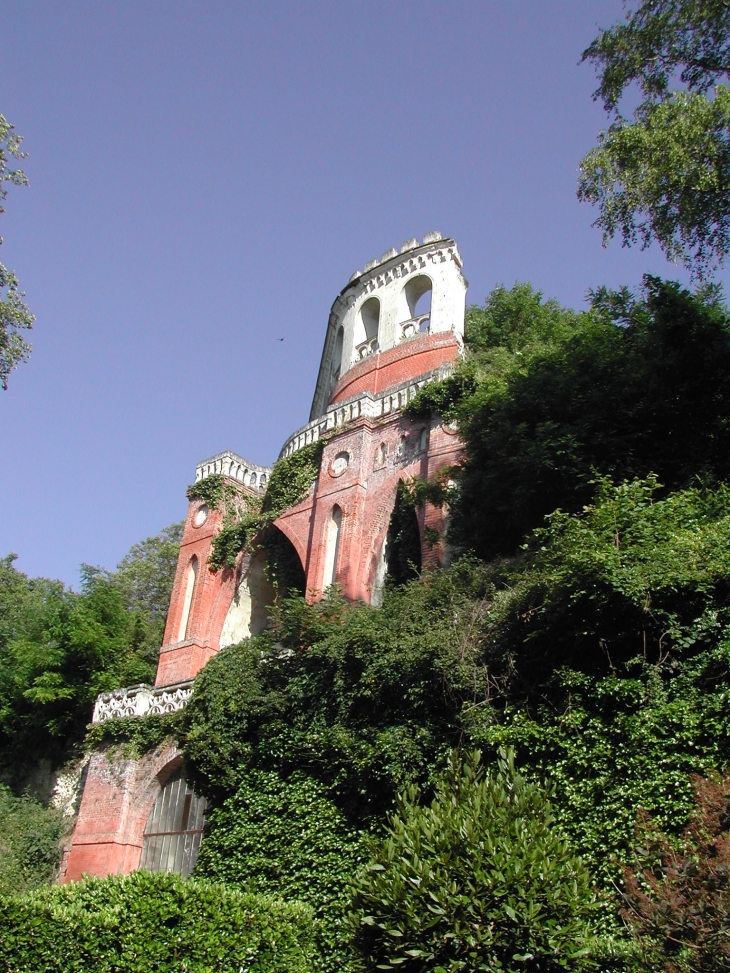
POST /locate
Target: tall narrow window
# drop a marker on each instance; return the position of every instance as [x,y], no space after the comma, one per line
[187,604]
[174,828]
[366,329]
[417,293]
[334,529]
[337,357]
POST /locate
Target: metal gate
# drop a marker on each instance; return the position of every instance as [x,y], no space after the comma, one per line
[174,828]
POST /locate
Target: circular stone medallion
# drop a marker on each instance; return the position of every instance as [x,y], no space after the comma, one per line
[339,464]
[201,515]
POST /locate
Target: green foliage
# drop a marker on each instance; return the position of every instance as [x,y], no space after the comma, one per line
[30,836]
[570,395]
[285,837]
[230,541]
[145,574]
[132,735]
[678,898]
[152,922]
[600,653]
[292,477]
[290,480]
[664,176]
[480,879]
[363,699]
[61,648]
[209,490]
[14,314]
[403,543]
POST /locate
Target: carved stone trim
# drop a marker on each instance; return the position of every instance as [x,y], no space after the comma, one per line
[142,700]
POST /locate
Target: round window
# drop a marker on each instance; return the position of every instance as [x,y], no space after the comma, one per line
[201,515]
[340,464]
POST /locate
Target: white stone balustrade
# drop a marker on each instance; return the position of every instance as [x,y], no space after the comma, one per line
[238,468]
[415,326]
[366,405]
[141,700]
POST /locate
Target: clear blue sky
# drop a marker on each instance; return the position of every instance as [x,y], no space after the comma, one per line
[204,179]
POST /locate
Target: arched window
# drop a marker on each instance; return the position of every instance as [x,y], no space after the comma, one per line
[366,332]
[174,828]
[418,302]
[403,543]
[334,529]
[337,356]
[190,580]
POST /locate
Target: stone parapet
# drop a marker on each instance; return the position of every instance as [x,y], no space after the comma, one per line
[361,406]
[236,467]
[142,700]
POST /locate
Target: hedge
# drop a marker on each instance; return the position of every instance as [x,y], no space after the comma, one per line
[145,921]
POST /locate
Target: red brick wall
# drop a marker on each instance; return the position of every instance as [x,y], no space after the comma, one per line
[214,590]
[117,799]
[366,492]
[408,360]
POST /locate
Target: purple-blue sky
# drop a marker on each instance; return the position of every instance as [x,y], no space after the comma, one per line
[204,179]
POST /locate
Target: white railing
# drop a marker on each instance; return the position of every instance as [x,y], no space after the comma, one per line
[142,700]
[365,405]
[366,348]
[230,464]
[415,326]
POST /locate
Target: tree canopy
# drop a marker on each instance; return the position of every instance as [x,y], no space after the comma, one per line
[14,314]
[61,648]
[664,175]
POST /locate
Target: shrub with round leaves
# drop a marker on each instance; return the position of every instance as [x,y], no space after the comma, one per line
[480,879]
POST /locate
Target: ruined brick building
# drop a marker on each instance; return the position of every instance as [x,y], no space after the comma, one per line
[383,342]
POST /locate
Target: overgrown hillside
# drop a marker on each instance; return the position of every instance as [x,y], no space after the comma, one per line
[580,641]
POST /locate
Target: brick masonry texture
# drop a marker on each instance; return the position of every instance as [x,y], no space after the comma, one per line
[362,464]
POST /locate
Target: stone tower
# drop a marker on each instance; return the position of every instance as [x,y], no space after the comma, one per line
[396,325]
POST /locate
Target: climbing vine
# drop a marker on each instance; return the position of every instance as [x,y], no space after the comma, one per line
[210,490]
[132,736]
[290,480]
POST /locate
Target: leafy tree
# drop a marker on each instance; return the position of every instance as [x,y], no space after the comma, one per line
[678,897]
[30,837]
[14,314]
[664,176]
[548,398]
[480,879]
[61,648]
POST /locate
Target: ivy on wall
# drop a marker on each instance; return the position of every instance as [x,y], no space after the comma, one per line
[131,735]
[249,522]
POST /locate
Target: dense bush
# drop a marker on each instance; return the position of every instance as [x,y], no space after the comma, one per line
[479,879]
[362,699]
[677,898]
[287,838]
[61,648]
[30,836]
[601,654]
[637,385]
[152,922]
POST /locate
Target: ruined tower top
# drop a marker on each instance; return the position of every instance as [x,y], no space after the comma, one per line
[415,294]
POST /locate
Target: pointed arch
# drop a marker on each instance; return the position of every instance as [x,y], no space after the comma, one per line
[334,530]
[191,577]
